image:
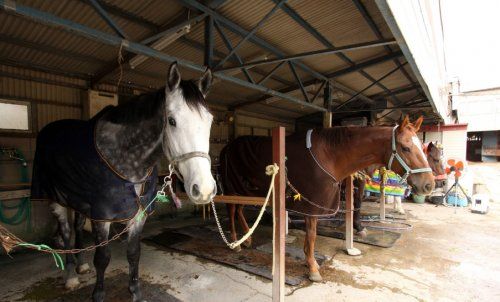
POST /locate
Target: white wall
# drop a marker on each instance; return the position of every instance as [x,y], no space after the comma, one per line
[480,109]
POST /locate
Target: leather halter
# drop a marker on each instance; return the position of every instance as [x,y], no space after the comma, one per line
[174,162]
[401,160]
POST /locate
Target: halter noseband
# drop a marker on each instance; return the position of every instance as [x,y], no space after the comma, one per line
[401,160]
[174,162]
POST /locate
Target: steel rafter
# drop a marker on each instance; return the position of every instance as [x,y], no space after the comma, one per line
[297,78]
[267,76]
[209,42]
[90,33]
[242,32]
[252,32]
[104,15]
[369,86]
[230,48]
[50,50]
[373,26]
[309,28]
[315,53]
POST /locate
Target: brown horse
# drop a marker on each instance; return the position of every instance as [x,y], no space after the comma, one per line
[316,162]
[435,159]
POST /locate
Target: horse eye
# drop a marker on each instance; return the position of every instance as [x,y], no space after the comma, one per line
[436,161]
[406,149]
[171,121]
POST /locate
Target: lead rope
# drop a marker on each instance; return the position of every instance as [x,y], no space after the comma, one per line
[271,170]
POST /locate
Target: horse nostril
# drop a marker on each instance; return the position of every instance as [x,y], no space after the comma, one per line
[428,187]
[195,191]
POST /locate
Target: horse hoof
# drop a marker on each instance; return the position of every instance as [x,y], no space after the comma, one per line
[315,277]
[362,233]
[72,283]
[83,269]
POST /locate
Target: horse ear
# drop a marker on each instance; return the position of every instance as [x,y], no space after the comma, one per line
[430,146]
[205,82]
[418,123]
[404,121]
[174,77]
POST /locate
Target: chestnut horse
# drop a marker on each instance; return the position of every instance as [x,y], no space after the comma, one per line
[435,159]
[316,162]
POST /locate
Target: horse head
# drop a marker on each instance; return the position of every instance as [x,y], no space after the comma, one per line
[435,158]
[412,160]
[186,133]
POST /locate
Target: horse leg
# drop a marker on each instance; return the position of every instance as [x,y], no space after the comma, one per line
[102,256]
[358,197]
[244,225]
[398,206]
[61,213]
[133,256]
[231,210]
[311,223]
[81,266]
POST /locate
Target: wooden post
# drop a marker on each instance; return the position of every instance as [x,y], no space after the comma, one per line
[279,215]
[382,173]
[349,206]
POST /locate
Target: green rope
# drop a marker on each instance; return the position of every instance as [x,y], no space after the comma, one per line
[43,247]
[160,196]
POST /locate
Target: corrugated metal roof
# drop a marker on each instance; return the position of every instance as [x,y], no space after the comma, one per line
[338,21]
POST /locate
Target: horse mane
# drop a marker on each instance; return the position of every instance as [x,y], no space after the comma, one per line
[147,105]
[336,136]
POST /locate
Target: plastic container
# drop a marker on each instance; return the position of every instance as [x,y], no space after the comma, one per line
[418,198]
[458,200]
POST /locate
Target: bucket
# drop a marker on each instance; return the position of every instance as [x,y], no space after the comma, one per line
[455,199]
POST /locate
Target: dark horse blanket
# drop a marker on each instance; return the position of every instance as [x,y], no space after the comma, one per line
[68,169]
[242,170]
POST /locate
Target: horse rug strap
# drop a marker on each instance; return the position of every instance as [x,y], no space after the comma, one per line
[309,147]
[401,160]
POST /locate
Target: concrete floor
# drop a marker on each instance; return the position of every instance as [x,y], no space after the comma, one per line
[450,255]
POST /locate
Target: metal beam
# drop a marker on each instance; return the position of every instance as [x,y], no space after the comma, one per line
[252,32]
[242,32]
[90,33]
[170,29]
[373,26]
[308,27]
[351,47]
[368,87]
[385,108]
[398,90]
[230,47]
[267,76]
[50,50]
[208,57]
[297,78]
[200,46]
[104,15]
[40,80]
[45,69]
[119,12]
[365,64]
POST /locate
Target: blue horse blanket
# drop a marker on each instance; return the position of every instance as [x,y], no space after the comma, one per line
[68,169]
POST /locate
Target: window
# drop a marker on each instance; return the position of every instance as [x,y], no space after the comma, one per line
[14,115]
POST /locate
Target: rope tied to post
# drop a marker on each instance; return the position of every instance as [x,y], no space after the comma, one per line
[271,170]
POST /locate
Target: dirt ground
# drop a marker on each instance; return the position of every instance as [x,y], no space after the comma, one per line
[449,255]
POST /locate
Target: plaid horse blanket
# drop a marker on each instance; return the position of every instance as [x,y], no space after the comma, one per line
[68,169]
